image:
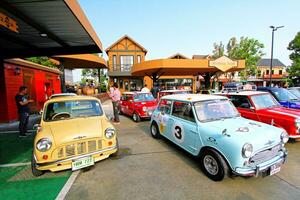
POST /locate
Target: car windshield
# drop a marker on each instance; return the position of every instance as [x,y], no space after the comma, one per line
[284,95]
[264,101]
[212,110]
[143,97]
[72,109]
[295,92]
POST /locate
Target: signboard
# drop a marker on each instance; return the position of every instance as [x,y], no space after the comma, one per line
[223,63]
[8,23]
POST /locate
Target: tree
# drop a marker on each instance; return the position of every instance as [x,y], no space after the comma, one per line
[93,74]
[248,49]
[218,50]
[294,69]
[43,61]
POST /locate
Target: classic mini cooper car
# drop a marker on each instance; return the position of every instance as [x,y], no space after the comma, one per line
[261,106]
[139,105]
[210,127]
[74,133]
[283,96]
[171,92]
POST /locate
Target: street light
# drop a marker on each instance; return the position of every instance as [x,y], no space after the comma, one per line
[271,64]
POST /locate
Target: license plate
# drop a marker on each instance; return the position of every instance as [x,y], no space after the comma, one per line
[83,162]
[274,169]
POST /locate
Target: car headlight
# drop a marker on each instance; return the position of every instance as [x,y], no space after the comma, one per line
[247,150]
[297,124]
[43,144]
[284,137]
[145,109]
[109,133]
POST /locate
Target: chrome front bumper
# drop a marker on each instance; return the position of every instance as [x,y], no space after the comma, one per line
[263,167]
[75,157]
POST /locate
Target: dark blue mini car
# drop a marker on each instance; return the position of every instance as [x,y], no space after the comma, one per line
[283,96]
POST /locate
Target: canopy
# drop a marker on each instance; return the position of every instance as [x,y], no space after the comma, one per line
[81,61]
[45,28]
[177,67]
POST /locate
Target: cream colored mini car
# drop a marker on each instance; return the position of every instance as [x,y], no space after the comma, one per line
[74,133]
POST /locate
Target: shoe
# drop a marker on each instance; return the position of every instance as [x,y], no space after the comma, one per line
[116,122]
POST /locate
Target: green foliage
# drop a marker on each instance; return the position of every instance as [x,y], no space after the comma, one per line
[42,61]
[218,50]
[248,49]
[92,74]
[294,46]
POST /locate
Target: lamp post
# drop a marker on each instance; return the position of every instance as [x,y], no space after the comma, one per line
[271,64]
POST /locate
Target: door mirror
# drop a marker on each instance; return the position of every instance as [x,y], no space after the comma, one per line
[252,108]
[41,112]
[109,117]
[36,127]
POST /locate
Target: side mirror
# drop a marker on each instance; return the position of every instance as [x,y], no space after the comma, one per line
[109,117]
[252,108]
[41,112]
[36,127]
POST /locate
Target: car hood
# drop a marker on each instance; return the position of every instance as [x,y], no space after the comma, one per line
[282,111]
[65,131]
[240,131]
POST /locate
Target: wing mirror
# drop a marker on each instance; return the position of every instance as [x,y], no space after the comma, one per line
[109,117]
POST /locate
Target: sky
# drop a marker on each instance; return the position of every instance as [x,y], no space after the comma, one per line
[189,27]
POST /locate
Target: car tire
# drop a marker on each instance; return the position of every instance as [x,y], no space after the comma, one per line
[154,130]
[34,170]
[136,117]
[116,153]
[213,165]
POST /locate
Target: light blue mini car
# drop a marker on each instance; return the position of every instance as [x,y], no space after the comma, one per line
[210,127]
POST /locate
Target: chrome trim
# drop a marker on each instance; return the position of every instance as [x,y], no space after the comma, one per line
[294,136]
[76,157]
[260,167]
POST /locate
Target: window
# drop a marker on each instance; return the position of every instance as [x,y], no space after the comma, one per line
[114,62]
[126,85]
[264,101]
[240,101]
[280,71]
[267,72]
[143,97]
[183,110]
[165,106]
[121,84]
[126,63]
[272,72]
[139,59]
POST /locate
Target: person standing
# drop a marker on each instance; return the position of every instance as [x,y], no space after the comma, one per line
[145,89]
[22,102]
[115,98]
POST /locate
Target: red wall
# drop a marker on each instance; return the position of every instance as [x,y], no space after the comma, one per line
[12,83]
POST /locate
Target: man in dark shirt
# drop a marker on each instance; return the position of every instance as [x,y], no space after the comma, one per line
[22,102]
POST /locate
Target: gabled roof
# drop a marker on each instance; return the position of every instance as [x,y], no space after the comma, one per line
[129,38]
[178,56]
[267,62]
[201,56]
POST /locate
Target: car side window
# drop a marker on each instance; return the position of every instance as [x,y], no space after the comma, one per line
[240,102]
[123,98]
[183,110]
[165,106]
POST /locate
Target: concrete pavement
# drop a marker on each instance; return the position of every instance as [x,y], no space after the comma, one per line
[156,169]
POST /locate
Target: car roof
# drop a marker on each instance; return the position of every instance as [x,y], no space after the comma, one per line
[242,93]
[137,92]
[62,95]
[269,88]
[175,91]
[192,97]
[71,98]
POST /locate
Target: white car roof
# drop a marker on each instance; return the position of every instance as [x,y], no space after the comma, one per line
[175,91]
[137,92]
[62,95]
[192,97]
[242,93]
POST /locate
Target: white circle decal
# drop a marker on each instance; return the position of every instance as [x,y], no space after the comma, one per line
[178,132]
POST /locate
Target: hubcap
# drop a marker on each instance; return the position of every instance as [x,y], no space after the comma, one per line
[153,130]
[210,165]
[134,117]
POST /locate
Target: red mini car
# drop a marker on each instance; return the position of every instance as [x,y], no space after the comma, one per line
[170,92]
[262,106]
[138,105]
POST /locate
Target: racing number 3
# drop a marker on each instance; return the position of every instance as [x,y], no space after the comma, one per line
[178,133]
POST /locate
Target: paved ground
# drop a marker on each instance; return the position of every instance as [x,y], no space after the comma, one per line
[156,169]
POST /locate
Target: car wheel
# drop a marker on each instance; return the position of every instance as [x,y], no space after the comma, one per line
[136,117]
[116,153]
[34,170]
[213,165]
[155,131]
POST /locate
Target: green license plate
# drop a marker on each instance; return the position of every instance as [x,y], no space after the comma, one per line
[82,163]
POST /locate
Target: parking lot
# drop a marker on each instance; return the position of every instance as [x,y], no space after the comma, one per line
[156,169]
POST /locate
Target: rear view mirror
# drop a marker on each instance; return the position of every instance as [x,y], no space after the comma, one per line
[109,117]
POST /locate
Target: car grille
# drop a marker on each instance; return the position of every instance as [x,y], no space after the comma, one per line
[264,155]
[77,148]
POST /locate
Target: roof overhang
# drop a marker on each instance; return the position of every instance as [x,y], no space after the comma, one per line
[177,67]
[45,28]
[81,61]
